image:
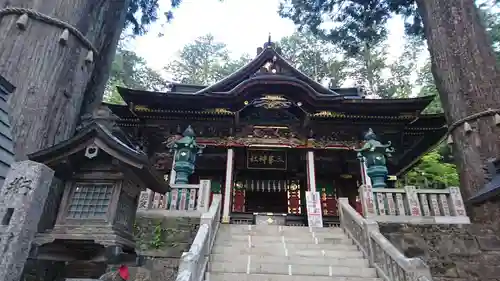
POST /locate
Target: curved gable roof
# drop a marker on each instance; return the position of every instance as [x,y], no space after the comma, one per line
[268,54]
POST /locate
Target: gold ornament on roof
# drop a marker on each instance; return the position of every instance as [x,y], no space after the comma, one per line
[272,102]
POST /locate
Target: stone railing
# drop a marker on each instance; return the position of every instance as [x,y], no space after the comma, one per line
[193,264]
[185,198]
[391,265]
[413,206]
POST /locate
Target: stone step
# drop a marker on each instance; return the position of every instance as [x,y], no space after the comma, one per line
[350,252]
[296,260]
[290,234]
[235,228]
[280,246]
[225,239]
[220,276]
[257,267]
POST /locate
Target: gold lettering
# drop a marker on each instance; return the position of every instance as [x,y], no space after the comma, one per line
[263,159]
[278,159]
[254,159]
[270,159]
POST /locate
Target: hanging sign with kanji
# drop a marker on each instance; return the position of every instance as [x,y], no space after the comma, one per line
[266,159]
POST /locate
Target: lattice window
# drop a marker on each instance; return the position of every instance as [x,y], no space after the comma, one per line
[90,201]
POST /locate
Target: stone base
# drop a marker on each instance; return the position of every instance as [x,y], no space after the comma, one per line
[453,252]
[269,219]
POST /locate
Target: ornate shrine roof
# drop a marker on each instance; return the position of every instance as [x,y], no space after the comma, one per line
[270,82]
[268,74]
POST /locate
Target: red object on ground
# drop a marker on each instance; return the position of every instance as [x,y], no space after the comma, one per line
[123,271]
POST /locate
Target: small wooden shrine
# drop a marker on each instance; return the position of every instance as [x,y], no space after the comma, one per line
[91,216]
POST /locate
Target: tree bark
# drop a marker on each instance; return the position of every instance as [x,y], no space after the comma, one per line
[54,83]
[467,78]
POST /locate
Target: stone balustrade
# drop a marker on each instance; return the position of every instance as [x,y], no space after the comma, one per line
[193,263]
[413,206]
[391,264]
[182,199]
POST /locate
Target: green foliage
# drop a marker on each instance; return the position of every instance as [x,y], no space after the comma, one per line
[130,70]
[316,58]
[428,87]
[142,13]
[430,170]
[203,62]
[400,83]
[354,24]
[491,19]
[158,239]
[381,77]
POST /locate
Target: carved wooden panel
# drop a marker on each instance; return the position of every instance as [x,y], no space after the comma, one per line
[256,115]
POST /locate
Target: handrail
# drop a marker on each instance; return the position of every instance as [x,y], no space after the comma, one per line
[390,263]
[193,263]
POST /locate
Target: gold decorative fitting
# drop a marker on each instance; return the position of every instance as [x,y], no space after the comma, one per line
[293,187]
[272,102]
[328,114]
[90,57]
[467,127]
[497,119]
[239,185]
[22,21]
[449,140]
[63,39]
[273,97]
[221,110]
[392,178]
[141,108]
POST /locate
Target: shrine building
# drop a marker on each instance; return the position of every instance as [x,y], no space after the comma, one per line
[272,133]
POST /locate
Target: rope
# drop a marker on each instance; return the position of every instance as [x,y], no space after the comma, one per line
[51,21]
[472,117]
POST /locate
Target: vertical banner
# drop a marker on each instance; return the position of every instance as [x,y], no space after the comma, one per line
[313,205]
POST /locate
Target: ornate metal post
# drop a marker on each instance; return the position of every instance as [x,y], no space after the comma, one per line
[375,154]
[186,149]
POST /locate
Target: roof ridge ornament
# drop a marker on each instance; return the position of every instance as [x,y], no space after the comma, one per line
[101,115]
[269,44]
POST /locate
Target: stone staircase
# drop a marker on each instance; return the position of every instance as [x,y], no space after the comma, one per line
[286,253]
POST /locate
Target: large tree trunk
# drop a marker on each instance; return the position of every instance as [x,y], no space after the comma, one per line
[467,78]
[53,81]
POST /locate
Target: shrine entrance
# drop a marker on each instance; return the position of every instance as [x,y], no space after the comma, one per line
[269,182]
[265,202]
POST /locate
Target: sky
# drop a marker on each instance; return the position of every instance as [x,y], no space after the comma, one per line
[243,25]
